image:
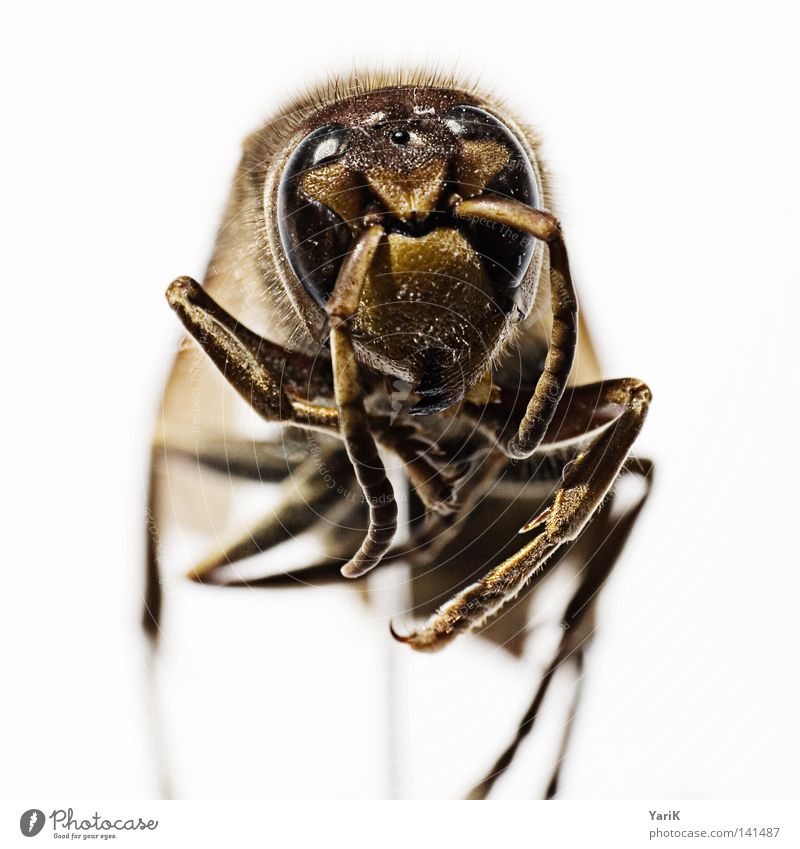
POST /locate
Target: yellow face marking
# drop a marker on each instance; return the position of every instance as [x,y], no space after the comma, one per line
[403,195]
[335,186]
[478,162]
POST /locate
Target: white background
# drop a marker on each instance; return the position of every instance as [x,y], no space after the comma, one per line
[673,137]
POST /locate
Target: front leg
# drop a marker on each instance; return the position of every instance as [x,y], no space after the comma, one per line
[586,481]
[273,382]
[529,432]
[250,364]
[359,440]
[256,368]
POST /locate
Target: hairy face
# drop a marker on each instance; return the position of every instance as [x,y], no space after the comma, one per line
[442,293]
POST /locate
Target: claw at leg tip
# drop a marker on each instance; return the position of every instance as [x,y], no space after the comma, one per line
[401,638]
[421,641]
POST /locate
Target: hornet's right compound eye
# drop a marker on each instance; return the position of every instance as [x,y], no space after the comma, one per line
[312,209]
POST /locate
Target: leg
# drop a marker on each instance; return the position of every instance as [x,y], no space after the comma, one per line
[325,571]
[353,419]
[305,493]
[598,552]
[300,510]
[577,661]
[151,617]
[560,357]
[428,467]
[586,481]
[243,459]
[433,474]
[259,371]
[255,368]
[481,791]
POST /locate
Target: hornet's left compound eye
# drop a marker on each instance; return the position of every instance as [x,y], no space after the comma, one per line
[493,163]
[312,228]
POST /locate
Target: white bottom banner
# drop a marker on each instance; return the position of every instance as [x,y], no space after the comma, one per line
[402,824]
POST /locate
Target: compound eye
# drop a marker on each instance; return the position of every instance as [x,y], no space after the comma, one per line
[323,145]
[492,162]
[315,238]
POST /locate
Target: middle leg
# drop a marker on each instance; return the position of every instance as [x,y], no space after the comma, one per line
[586,480]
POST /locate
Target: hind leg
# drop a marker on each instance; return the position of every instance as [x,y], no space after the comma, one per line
[153,597]
[598,552]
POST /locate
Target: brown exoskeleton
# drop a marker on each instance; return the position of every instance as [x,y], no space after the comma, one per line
[404,293]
